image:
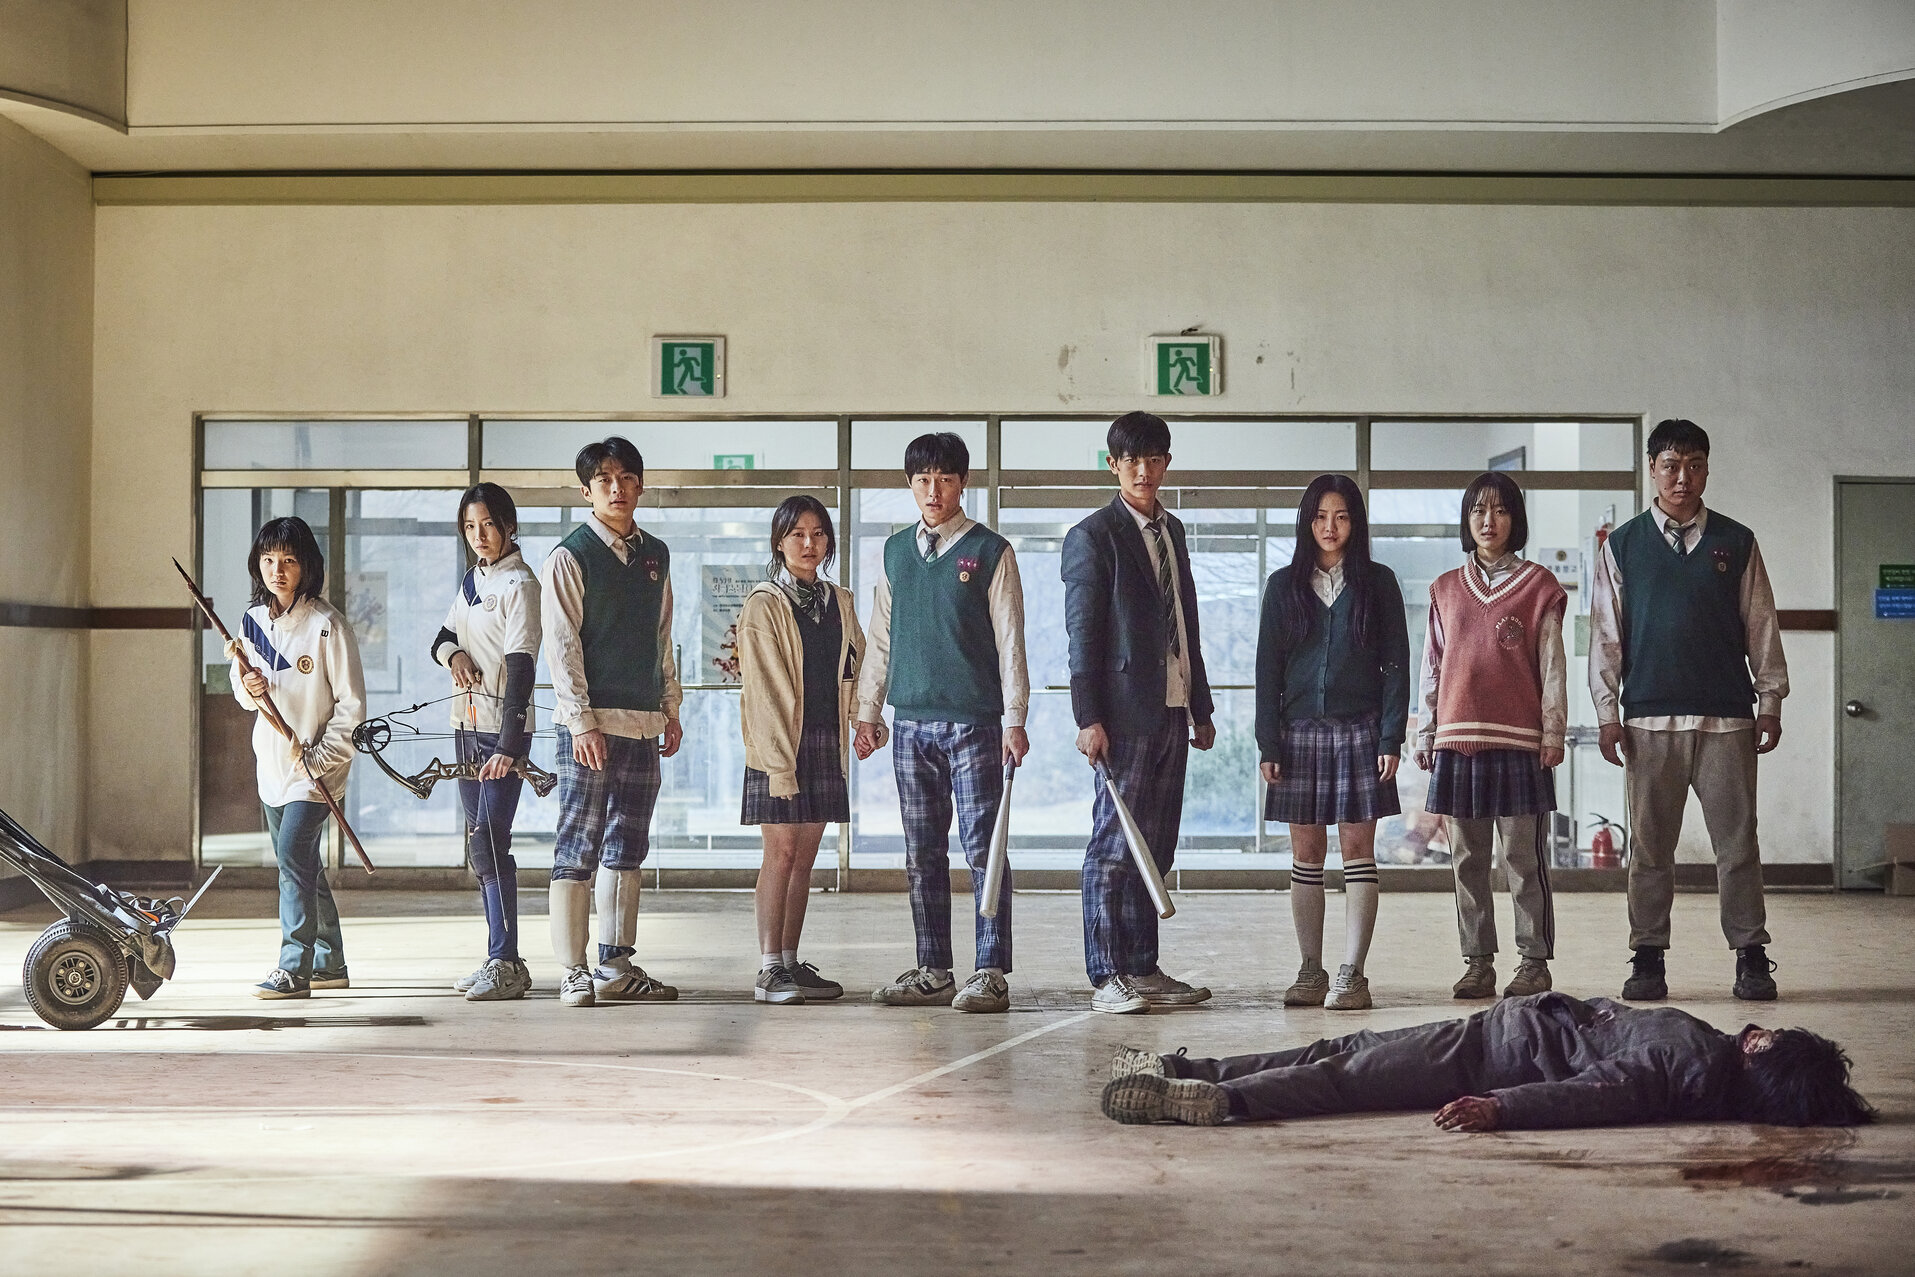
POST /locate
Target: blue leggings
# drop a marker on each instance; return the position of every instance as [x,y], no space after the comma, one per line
[490,806]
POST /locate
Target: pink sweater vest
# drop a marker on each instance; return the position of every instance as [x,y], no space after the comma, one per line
[1489,690]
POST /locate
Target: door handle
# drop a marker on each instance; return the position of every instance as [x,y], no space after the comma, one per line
[1855,709]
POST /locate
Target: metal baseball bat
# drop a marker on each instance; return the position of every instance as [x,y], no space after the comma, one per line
[1139,849]
[999,861]
[279,724]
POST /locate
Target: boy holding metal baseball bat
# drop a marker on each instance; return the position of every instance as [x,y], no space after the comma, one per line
[947,643]
[1141,699]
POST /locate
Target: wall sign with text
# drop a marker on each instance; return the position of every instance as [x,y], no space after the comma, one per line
[688,367]
[1183,365]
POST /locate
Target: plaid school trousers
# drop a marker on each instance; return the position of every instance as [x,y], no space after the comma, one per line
[605,817]
[1120,925]
[934,763]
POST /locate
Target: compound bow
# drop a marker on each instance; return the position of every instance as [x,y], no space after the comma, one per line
[375,734]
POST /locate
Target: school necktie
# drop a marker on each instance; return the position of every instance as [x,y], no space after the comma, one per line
[930,545]
[631,549]
[1679,536]
[1166,579]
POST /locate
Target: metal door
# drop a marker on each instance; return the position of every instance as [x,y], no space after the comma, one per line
[1875,670]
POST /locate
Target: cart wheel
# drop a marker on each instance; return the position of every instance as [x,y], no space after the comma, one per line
[75,976]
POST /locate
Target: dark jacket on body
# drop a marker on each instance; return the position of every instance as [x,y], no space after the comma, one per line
[1114,615]
[1557,1061]
[1326,675]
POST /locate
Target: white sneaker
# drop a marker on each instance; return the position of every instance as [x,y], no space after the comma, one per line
[465,982]
[918,987]
[575,990]
[1118,996]
[986,992]
[498,982]
[1350,991]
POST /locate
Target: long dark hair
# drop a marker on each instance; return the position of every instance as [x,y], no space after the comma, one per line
[785,518]
[290,534]
[1801,1080]
[499,504]
[1301,612]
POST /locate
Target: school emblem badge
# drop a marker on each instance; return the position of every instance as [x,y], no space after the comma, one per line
[491,602]
[1509,632]
[965,568]
[1722,559]
[305,665]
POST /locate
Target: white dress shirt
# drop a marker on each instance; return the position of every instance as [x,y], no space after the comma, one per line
[494,614]
[1770,672]
[563,611]
[1006,601]
[1176,672]
[1328,585]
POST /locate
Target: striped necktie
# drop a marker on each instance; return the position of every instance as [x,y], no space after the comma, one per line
[1166,580]
[930,545]
[1679,536]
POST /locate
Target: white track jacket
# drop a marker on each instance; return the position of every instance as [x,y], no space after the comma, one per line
[311,662]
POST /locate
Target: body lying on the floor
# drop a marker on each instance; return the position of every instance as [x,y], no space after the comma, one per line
[1548,1060]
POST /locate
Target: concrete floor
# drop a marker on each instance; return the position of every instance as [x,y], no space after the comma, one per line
[395,1128]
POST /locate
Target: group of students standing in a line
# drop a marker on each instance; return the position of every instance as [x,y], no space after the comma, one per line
[1675,673]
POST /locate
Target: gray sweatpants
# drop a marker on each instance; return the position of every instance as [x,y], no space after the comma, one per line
[1526,860]
[1425,1066]
[1661,768]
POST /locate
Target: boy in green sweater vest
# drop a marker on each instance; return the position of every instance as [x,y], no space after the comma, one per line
[608,642]
[947,641]
[1683,633]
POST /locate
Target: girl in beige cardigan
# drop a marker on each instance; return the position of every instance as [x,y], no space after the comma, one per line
[799,649]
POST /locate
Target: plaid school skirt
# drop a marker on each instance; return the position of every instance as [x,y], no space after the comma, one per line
[1496,782]
[822,795]
[1329,774]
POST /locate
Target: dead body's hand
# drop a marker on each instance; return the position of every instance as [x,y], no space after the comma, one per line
[1471,1113]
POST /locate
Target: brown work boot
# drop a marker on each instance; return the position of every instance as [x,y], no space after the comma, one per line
[1479,978]
[1532,976]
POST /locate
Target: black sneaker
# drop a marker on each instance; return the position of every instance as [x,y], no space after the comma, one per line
[814,986]
[282,984]
[332,979]
[1646,983]
[1753,983]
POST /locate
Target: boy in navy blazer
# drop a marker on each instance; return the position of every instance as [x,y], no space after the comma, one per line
[1140,698]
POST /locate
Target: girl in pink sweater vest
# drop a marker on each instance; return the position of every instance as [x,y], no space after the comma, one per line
[1494,704]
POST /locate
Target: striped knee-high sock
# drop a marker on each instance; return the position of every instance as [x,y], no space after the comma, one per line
[1306,911]
[1359,910]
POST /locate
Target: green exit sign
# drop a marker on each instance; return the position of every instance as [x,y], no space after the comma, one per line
[688,367]
[732,461]
[1183,365]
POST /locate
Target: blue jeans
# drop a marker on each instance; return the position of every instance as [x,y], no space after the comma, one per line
[490,806]
[309,938]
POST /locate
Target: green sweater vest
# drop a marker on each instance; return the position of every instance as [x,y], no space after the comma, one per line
[619,631]
[943,648]
[1684,649]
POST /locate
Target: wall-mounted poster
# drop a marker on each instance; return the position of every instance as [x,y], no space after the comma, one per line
[725,588]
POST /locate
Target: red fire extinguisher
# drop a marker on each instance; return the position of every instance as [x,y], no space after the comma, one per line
[1604,853]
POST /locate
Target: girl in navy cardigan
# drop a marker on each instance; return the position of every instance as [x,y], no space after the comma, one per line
[1333,691]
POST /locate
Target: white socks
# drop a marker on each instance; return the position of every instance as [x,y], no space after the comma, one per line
[1306,911]
[571,911]
[769,960]
[1359,910]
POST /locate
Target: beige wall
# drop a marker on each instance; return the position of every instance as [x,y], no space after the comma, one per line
[1785,331]
[855,63]
[1773,52]
[46,338]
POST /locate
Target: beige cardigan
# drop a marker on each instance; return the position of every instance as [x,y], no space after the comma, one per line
[771,667]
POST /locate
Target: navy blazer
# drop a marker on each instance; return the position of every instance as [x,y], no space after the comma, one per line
[1114,615]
